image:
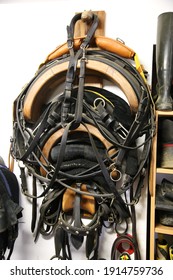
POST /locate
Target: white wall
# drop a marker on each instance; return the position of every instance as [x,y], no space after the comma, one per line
[29,30]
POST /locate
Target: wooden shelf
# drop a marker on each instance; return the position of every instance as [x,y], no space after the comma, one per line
[163,229]
[164,113]
[164,170]
[156,228]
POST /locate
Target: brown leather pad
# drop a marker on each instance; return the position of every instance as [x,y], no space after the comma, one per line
[101,42]
[87,201]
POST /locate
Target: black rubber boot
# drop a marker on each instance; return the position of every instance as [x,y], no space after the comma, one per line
[164,61]
[166,143]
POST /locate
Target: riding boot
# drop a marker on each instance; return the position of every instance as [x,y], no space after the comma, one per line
[166,143]
[164,61]
[161,249]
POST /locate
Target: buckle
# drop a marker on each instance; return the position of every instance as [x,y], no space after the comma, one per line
[70,44]
[122,131]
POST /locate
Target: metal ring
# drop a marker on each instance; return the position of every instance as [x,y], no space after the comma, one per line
[118,172]
[99,99]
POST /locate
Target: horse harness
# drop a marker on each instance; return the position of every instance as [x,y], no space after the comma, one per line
[85,147]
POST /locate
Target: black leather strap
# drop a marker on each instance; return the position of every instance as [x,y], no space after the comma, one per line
[77,240]
[80,95]
[34,203]
[71,72]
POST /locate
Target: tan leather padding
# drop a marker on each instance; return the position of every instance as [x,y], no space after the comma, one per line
[114,46]
[56,136]
[101,42]
[87,202]
[45,85]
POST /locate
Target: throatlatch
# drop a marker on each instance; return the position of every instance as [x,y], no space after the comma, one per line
[86,147]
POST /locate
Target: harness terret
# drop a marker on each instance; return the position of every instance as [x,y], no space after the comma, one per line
[86,147]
